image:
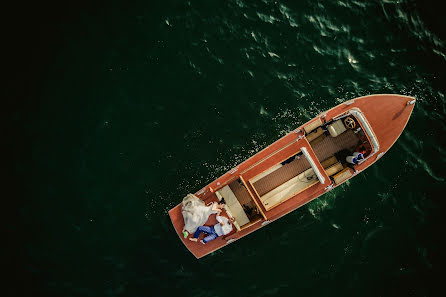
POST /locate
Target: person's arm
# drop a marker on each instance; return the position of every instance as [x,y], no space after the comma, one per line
[215,207]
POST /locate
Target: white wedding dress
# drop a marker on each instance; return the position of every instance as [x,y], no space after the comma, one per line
[195,212]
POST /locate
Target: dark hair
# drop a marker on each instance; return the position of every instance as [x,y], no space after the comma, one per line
[222,201]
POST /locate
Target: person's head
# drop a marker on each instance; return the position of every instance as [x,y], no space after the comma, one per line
[221,204]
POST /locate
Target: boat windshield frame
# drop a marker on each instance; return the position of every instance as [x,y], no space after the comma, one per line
[313,165]
[370,134]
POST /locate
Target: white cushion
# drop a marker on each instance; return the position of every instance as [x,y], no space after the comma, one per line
[336,128]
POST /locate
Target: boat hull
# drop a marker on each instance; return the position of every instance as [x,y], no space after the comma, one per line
[387,115]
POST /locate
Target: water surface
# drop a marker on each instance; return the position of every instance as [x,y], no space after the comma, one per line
[135,105]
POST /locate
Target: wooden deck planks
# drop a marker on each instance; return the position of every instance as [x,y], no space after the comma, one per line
[281,175]
[331,145]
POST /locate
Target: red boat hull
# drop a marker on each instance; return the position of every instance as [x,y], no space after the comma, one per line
[386,114]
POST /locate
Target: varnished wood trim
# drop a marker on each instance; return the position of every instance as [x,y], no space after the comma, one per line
[253,197]
[250,224]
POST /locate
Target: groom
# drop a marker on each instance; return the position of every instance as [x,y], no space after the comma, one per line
[222,228]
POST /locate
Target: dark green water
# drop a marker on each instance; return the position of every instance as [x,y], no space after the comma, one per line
[127,107]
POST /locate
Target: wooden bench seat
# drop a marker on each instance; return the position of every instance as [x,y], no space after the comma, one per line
[313,125]
[328,162]
[332,166]
[333,169]
[315,134]
[343,175]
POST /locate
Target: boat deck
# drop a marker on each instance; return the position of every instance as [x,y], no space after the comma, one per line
[328,146]
[281,175]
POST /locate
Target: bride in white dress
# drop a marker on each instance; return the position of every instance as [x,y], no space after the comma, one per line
[196,213]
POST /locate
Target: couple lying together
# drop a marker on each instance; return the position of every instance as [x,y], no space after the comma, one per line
[196,214]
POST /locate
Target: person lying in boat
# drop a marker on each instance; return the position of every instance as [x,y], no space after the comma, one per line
[223,227]
[196,213]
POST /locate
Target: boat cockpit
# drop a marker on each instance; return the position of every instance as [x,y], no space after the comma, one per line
[342,143]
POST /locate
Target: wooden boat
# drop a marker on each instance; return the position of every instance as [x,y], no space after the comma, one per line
[302,165]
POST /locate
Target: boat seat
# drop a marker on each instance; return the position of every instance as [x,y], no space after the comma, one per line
[336,128]
[313,125]
[315,134]
[333,169]
[328,162]
[234,206]
[343,175]
[318,139]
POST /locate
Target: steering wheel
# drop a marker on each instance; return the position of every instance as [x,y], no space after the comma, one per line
[349,123]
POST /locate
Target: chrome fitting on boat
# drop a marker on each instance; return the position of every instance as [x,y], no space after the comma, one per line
[265,222]
[411,102]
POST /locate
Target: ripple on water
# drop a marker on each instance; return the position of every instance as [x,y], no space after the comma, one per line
[371,237]
[416,159]
[322,204]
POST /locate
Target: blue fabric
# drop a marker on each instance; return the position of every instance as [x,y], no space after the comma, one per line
[358,158]
[208,230]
